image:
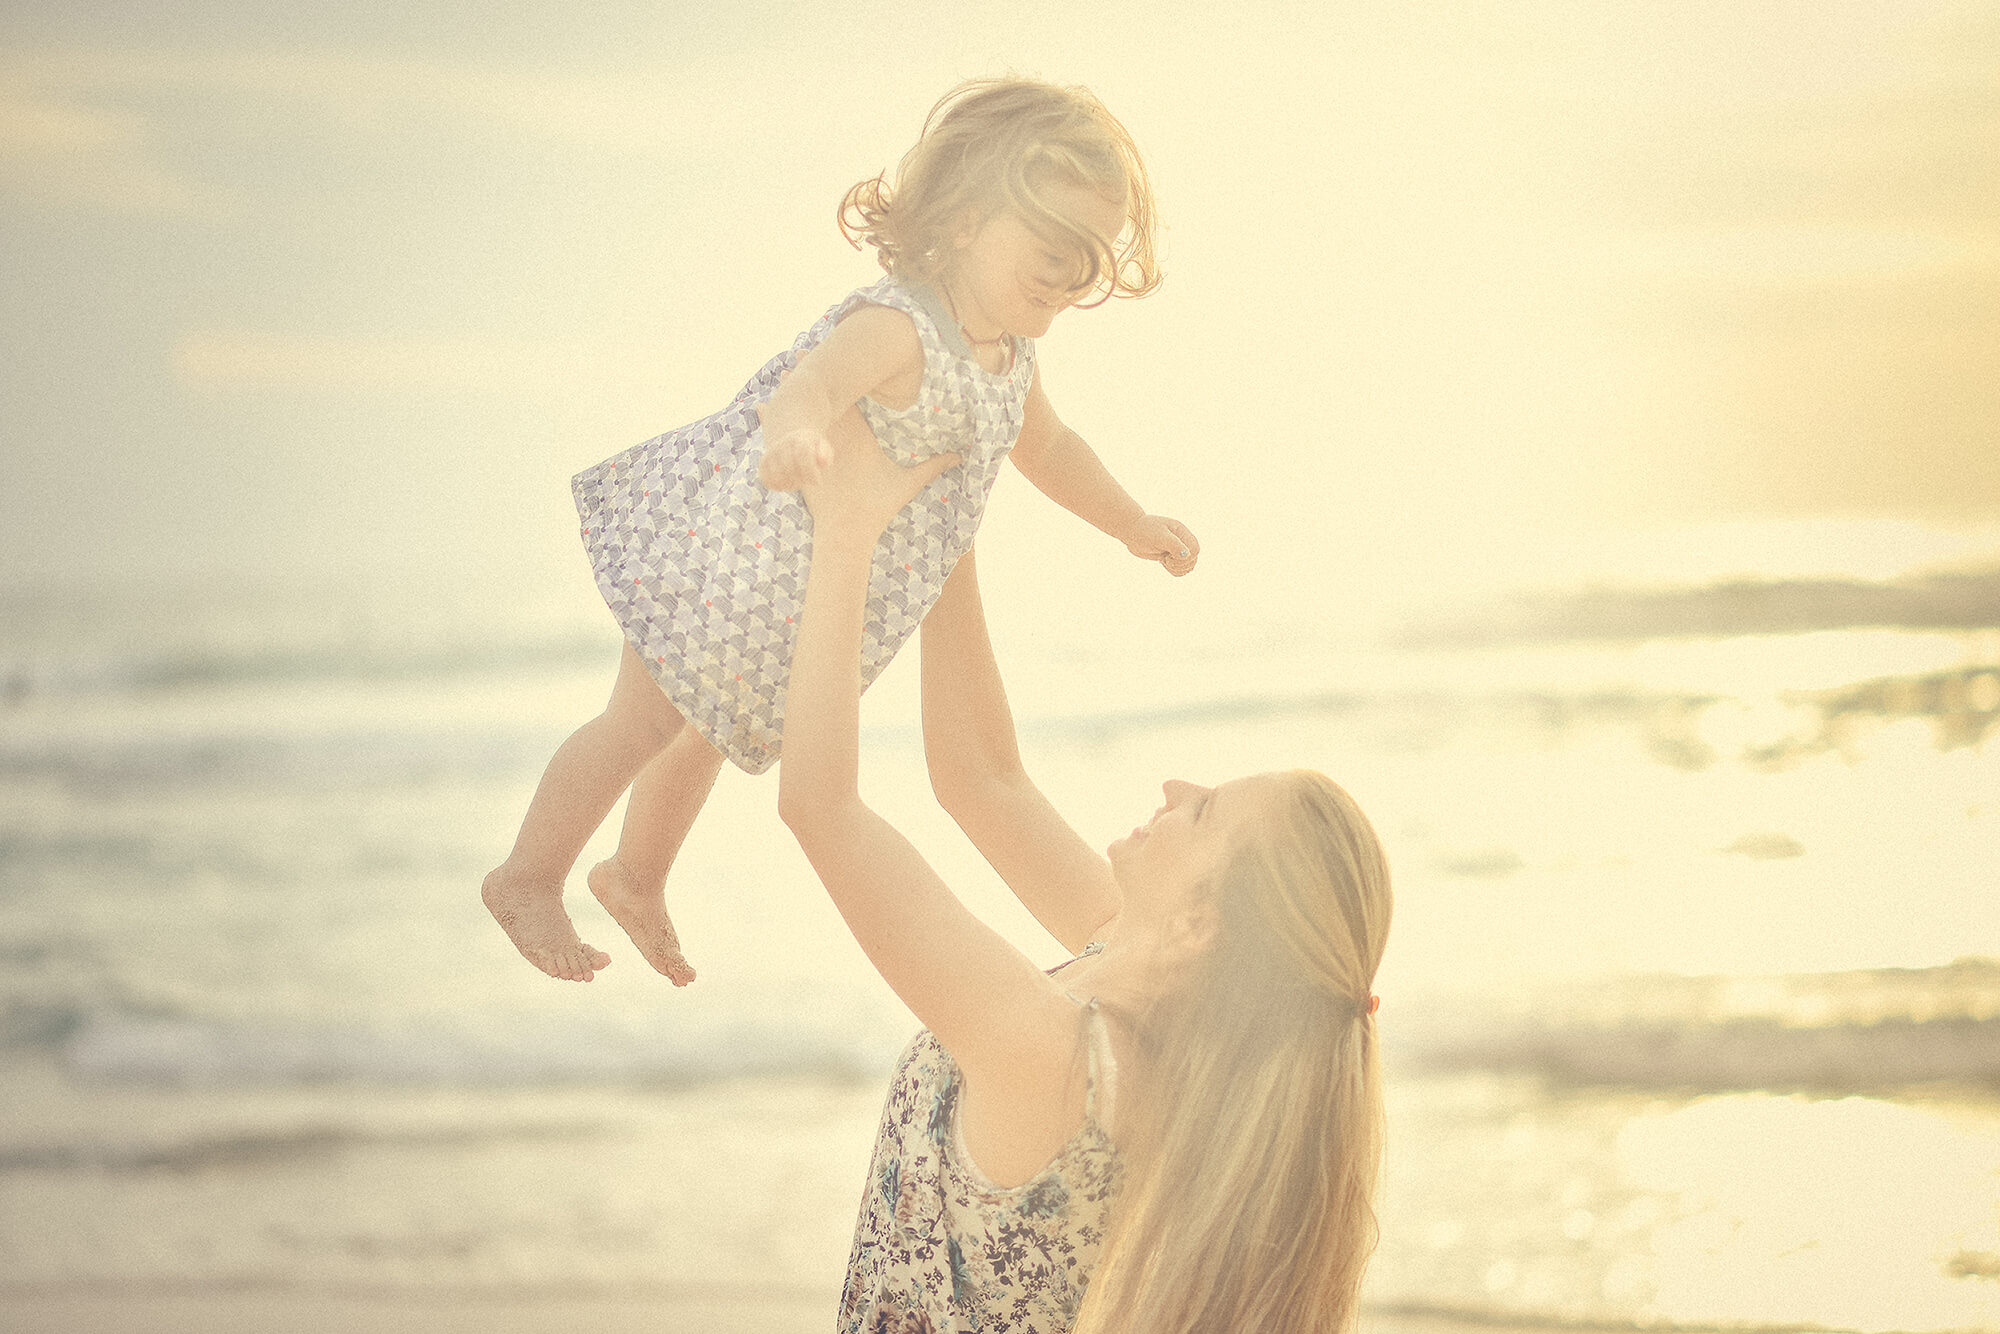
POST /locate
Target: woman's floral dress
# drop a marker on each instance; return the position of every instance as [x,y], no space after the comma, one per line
[940,1249]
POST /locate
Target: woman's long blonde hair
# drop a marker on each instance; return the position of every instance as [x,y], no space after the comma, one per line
[1248,1202]
[992,145]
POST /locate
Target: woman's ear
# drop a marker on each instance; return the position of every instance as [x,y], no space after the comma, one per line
[1191,933]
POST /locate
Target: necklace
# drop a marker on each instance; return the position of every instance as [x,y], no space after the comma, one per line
[966,333]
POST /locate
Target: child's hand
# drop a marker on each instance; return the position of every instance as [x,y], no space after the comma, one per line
[794,460]
[1165,540]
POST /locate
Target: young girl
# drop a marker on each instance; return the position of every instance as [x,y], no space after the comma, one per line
[1019,200]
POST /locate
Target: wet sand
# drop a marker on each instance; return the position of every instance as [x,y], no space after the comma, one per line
[748,1313]
[305,1313]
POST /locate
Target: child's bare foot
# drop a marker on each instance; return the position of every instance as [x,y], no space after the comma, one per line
[535,921]
[644,917]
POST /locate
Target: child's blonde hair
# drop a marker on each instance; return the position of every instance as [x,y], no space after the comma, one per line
[991,145]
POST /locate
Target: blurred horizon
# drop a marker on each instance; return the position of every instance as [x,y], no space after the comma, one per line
[1459,301]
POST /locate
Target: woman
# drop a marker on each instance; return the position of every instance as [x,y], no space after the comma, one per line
[1184,1122]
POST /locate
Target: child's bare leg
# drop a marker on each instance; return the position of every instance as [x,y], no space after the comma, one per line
[577,791]
[631,885]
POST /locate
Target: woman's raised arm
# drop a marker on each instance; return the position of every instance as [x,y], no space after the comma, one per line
[976,771]
[1002,1020]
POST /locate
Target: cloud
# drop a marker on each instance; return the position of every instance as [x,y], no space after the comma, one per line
[60,151]
[1806,252]
[31,125]
[220,361]
[107,128]
[633,109]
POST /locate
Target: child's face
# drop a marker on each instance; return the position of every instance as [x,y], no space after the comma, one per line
[1008,279]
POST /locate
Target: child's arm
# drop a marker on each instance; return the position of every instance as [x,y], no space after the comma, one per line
[875,351]
[1068,471]
[977,774]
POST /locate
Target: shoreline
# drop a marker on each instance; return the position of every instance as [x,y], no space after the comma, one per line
[304,1312]
[296,1311]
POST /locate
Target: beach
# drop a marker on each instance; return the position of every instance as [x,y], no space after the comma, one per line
[252,1313]
[270,1065]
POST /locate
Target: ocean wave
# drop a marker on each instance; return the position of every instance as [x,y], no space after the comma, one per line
[26,674]
[1869,1031]
[209,1052]
[1748,1054]
[1962,706]
[314,760]
[1957,600]
[267,1147]
[1854,1032]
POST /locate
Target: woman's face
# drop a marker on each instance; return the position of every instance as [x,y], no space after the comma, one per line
[1161,863]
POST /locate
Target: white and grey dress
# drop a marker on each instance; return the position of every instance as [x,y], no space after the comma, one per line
[706,569]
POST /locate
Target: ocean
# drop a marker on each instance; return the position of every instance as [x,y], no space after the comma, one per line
[1691,1013]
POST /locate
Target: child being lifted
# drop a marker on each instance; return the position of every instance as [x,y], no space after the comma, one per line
[1020,200]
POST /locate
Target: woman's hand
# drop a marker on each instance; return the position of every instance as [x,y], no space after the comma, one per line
[858,488]
[872,350]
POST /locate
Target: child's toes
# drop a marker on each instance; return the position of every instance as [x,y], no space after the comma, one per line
[596,958]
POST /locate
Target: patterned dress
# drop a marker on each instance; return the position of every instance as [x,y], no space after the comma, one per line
[940,1249]
[705,569]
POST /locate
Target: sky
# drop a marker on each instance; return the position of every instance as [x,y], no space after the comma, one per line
[347,292]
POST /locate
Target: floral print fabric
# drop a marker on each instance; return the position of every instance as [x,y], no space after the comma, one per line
[939,1249]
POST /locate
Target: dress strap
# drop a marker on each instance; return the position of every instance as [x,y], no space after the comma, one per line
[1103,1078]
[889,291]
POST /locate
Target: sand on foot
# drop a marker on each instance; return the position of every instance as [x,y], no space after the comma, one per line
[534,920]
[643,914]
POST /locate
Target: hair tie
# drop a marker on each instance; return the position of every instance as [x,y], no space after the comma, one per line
[1374,1004]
